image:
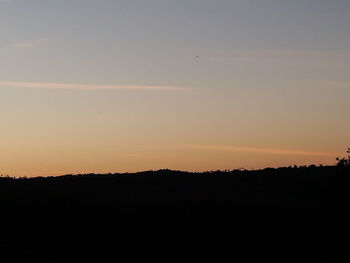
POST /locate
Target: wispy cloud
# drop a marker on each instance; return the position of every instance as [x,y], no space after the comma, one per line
[223,148]
[282,57]
[335,84]
[33,43]
[48,85]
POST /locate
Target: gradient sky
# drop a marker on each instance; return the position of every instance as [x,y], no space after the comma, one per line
[114,86]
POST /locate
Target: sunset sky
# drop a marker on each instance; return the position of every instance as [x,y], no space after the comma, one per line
[128,85]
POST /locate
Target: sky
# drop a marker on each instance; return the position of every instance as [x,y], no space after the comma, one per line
[129,85]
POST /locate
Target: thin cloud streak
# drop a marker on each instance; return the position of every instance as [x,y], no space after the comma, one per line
[34,43]
[222,148]
[48,85]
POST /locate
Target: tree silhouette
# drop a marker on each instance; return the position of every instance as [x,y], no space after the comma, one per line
[343,161]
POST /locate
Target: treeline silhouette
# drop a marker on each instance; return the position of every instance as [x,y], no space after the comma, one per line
[169,214]
[307,189]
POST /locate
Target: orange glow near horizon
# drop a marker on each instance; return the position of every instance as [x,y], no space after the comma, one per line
[177,157]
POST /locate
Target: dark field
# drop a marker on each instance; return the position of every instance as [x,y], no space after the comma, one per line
[282,215]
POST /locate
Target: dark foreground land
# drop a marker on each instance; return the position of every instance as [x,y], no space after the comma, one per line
[280,215]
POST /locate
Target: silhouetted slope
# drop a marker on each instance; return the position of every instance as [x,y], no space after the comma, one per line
[96,217]
[309,190]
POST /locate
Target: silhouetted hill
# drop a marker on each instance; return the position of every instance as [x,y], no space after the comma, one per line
[283,190]
[213,214]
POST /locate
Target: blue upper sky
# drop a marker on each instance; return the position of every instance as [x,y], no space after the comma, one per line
[104,36]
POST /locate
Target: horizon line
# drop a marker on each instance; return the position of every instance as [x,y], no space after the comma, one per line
[7,176]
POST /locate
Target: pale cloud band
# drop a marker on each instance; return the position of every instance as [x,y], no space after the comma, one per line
[223,148]
[34,43]
[48,85]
